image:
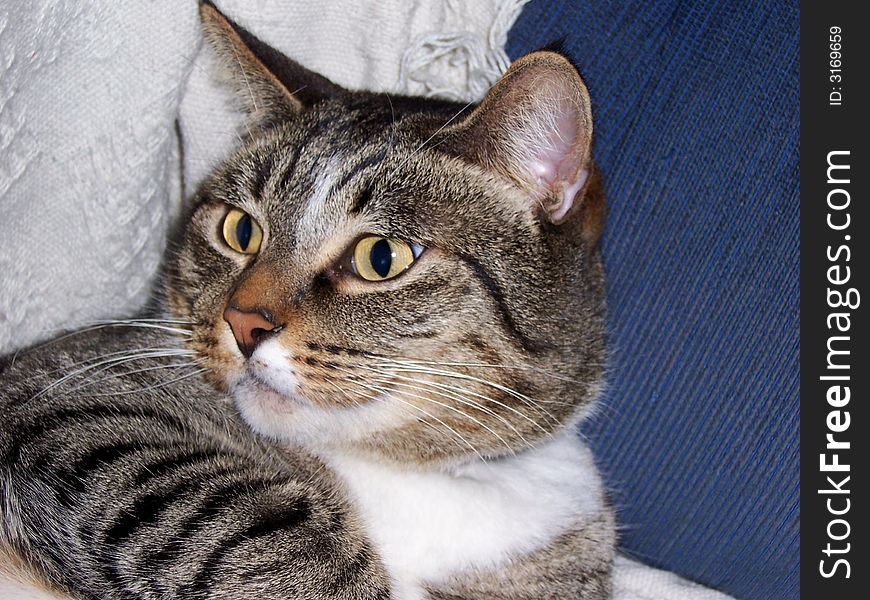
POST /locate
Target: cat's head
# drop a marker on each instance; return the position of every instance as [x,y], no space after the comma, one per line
[409,277]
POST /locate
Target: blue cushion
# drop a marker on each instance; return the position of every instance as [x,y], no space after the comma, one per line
[697,125]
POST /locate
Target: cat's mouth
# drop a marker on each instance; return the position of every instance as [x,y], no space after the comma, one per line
[266,379]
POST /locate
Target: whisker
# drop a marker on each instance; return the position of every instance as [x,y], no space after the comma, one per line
[371,397]
[496,366]
[161,324]
[95,359]
[422,146]
[157,385]
[431,416]
[448,407]
[457,395]
[157,368]
[92,376]
[94,380]
[423,364]
[113,362]
[391,142]
[256,108]
[398,366]
[461,390]
[346,394]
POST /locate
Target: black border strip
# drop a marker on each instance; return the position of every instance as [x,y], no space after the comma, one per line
[834,337]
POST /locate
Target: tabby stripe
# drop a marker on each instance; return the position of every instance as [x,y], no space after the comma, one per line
[359,167]
[162,467]
[73,480]
[171,549]
[495,292]
[262,175]
[331,349]
[350,573]
[146,511]
[338,133]
[362,200]
[61,419]
[284,518]
[173,463]
[147,508]
[289,170]
[425,334]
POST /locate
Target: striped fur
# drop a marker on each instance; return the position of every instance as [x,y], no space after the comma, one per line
[157,459]
[130,480]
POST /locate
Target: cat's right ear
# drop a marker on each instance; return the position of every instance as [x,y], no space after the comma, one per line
[270,87]
[535,128]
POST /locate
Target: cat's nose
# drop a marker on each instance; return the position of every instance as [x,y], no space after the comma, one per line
[250,327]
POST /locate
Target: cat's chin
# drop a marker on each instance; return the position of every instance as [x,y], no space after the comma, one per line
[295,420]
[268,400]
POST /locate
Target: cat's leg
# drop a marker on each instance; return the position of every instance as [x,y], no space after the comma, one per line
[577,565]
[271,538]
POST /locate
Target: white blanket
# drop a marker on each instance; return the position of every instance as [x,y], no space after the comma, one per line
[93,166]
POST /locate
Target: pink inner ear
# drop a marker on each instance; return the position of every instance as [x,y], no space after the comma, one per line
[554,161]
[569,192]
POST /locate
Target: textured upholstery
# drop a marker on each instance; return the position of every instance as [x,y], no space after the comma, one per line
[697,135]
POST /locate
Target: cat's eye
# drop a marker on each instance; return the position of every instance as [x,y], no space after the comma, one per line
[377,258]
[241,232]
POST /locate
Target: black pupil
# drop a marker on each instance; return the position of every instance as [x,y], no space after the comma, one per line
[381,257]
[243,232]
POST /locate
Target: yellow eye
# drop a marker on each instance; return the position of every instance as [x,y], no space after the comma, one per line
[242,232]
[378,258]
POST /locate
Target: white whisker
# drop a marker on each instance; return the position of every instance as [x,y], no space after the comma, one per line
[448,407]
[431,416]
[374,398]
[411,368]
[422,146]
[159,324]
[495,366]
[93,381]
[457,394]
[465,392]
[112,362]
[157,385]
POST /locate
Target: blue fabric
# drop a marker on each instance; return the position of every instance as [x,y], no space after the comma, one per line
[697,123]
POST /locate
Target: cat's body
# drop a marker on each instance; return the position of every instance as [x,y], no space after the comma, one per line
[164,489]
[405,298]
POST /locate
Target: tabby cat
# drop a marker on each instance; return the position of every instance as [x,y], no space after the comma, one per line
[382,322]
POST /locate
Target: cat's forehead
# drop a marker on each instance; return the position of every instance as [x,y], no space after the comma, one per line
[336,174]
[335,166]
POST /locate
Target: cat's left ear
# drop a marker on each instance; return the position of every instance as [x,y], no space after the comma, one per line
[535,127]
[271,87]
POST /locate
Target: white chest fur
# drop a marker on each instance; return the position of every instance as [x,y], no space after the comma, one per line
[430,525]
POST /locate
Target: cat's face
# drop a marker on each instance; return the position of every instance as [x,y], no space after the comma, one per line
[368,273]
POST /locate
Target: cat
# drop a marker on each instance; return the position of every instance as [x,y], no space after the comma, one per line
[381,323]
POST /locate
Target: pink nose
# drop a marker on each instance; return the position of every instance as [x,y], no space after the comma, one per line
[250,327]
